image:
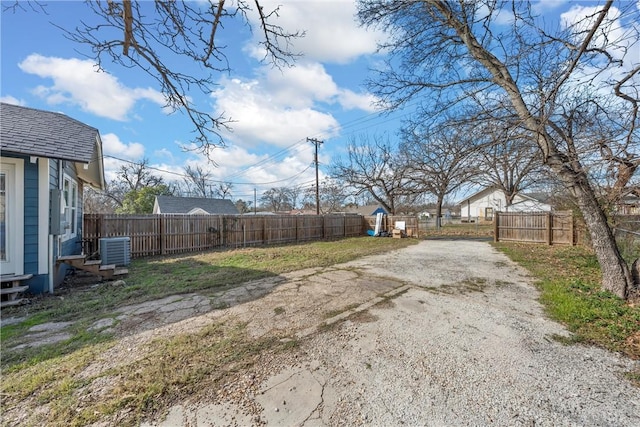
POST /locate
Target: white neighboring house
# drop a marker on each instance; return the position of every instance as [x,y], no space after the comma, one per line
[483,204]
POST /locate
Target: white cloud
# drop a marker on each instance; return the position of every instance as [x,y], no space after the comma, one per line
[12,100]
[610,35]
[77,82]
[331,31]
[308,82]
[262,115]
[281,107]
[248,171]
[164,153]
[111,145]
[360,101]
[301,85]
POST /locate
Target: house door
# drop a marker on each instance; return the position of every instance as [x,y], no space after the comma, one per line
[11,231]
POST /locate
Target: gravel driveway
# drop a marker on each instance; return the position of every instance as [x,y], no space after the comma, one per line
[440,333]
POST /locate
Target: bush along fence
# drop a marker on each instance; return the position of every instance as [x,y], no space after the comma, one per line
[171,234]
[551,228]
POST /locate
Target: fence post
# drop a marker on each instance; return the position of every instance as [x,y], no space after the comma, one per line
[572,228]
[496,228]
[264,230]
[161,237]
[344,223]
[549,228]
[324,227]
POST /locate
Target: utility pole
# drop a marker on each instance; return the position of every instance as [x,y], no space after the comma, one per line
[316,142]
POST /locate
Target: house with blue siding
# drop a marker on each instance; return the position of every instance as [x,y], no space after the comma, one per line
[46,160]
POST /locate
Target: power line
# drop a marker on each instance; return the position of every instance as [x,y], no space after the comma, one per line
[273,157]
[209,179]
[316,142]
[345,126]
[268,159]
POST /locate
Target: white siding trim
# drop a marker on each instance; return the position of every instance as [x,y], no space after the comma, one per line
[43,215]
[18,213]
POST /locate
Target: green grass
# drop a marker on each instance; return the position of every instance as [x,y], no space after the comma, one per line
[172,368]
[182,366]
[459,230]
[569,281]
[153,278]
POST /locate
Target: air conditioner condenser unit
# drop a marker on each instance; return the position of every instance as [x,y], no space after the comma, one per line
[115,251]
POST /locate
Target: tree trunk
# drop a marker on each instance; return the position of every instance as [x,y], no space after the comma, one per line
[439,211]
[616,275]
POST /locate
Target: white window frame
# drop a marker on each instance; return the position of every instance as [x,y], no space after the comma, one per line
[14,168]
[69,207]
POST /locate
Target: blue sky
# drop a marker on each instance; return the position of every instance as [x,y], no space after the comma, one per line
[274,111]
[322,96]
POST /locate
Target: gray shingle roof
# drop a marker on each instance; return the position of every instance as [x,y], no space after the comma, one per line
[183,205]
[45,134]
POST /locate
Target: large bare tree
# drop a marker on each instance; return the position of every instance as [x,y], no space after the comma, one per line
[131,177]
[197,181]
[438,158]
[277,199]
[374,166]
[462,51]
[133,190]
[506,159]
[332,195]
[223,189]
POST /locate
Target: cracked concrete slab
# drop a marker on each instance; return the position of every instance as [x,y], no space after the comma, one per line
[50,326]
[291,398]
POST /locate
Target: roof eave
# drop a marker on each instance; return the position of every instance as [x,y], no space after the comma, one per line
[93,172]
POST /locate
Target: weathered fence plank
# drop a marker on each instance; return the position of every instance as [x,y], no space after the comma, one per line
[537,227]
[172,234]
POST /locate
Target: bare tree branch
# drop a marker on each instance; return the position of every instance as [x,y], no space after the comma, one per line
[156,38]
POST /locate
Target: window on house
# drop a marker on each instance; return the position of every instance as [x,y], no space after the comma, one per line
[488,214]
[70,205]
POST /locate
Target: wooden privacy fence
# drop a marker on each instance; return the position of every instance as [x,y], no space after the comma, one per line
[539,227]
[171,234]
